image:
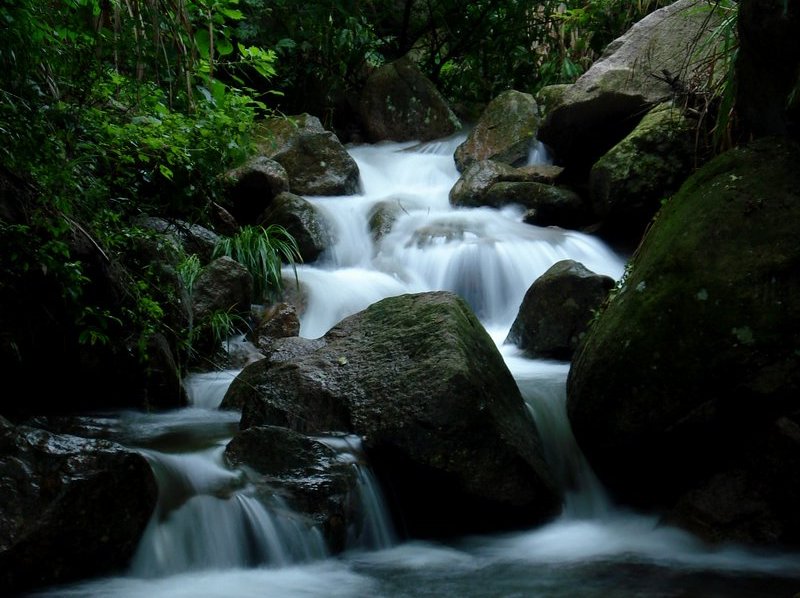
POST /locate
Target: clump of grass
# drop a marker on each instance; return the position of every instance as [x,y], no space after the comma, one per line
[263,251]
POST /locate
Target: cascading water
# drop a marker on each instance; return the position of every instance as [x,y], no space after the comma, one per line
[490,258]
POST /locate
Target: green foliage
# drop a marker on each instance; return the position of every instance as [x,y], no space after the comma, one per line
[189,270]
[263,252]
[715,96]
[111,110]
[325,47]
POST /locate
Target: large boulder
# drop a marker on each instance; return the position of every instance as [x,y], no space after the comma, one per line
[661,54]
[628,183]
[557,310]
[504,133]
[401,104]
[314,158]
[70,508]
[443,423]
[693,365]
[303,222]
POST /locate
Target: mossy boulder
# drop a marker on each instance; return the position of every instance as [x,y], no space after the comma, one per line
[504,133]
[647,65]
[442,420]
[401,104]
[315,160]
[696,359]
[629,182]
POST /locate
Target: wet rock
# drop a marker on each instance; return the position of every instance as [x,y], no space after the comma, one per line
[307,474]
[70,508]
[693,361]
[303,221]
[443,422]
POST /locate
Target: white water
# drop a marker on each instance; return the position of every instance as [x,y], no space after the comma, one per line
[489,257]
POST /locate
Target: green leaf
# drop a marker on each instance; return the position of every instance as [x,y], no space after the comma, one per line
[202,42]
[233,14]
[223,46]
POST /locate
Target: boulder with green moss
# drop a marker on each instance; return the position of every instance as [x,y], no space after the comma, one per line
[661,55]
[628,183]
[314,158]
[689,381]
[441,417]
[504,133]
[401,104]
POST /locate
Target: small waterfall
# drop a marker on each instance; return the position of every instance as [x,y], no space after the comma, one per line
[207,389]
[205,519]
[542,385]
[374,530]
[488,256]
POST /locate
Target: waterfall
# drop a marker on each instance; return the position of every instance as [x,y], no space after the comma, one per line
[488,256]
[205,519]
[373,529]
[211,535]
[543,386]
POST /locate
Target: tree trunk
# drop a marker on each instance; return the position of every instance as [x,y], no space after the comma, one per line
[767,65]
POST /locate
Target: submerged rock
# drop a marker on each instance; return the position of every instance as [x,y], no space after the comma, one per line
[676,392]
[443,423]
[305,472]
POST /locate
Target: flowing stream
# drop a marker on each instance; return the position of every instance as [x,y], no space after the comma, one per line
[210,537]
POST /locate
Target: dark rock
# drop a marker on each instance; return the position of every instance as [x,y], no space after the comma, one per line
[252,187]
[444,425]
[557,309]
[303,222]
[399,103]
[694,358]
[70,508]
[315,160]
[223,285]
